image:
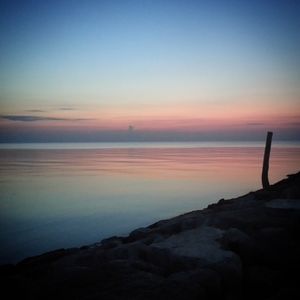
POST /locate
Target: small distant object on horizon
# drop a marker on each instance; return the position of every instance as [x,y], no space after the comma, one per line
[130,128]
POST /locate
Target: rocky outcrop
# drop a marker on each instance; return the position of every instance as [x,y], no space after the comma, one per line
[243,248]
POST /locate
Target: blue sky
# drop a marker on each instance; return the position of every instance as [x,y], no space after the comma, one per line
[123,62]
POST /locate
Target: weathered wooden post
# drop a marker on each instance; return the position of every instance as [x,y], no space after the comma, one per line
[265,170]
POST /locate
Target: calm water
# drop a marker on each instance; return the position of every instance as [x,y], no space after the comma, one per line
[66,195]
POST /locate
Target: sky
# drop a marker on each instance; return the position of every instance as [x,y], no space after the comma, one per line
[149,70]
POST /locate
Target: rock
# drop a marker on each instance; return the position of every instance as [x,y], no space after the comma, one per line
[218,204]
[138,234]
[231,273]
[240,243]
[46,258]
[208,279]
[260,279]
[111,242]
[284,204]
[243,248]
[287,293]
[199,243]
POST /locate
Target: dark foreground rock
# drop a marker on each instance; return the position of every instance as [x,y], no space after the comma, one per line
[243,248]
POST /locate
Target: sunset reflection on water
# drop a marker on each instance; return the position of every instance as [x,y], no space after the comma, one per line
[52,198]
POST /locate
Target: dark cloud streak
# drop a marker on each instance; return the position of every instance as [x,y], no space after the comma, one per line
[66,108]
[30,118]
[35,110]
[255,124]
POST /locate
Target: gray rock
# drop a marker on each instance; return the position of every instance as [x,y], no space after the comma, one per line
[284,204]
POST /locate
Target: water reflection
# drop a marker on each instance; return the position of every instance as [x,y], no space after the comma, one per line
[53,198]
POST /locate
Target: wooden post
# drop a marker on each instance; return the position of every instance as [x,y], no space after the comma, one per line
[265,170]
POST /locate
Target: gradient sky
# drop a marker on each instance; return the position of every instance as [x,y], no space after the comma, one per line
[149,70]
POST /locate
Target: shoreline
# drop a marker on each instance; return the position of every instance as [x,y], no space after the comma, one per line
[143,145]
[242,248]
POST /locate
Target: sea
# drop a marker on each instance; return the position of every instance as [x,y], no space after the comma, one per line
[63,195]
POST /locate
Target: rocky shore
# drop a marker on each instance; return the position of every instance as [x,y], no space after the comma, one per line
[242,248]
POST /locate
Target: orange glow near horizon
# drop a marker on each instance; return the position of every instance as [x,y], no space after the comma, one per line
[178,119]
[161,121]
